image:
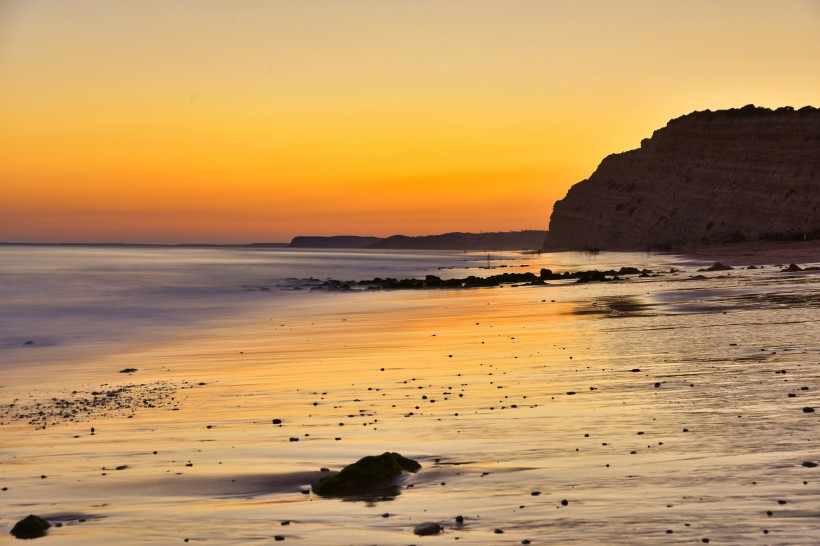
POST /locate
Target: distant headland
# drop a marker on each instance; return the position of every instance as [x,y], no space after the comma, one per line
[500,240]
[746,174]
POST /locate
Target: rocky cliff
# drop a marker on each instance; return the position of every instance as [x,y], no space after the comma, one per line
[707,177]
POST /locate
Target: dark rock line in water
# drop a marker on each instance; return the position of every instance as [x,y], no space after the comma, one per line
[526,279]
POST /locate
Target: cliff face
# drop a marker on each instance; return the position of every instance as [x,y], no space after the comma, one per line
[707,177]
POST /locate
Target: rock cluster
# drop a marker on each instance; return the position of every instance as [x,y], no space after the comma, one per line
[708,177]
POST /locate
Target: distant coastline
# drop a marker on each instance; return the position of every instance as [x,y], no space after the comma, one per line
[499,240]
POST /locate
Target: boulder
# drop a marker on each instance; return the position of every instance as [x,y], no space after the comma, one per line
[427,528]
[366,475]
[718,267]
[30,526]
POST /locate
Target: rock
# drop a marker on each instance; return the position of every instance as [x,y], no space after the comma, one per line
[30,526]
[707,177]
[718,267]
[793,268]
[365,475]
[129,370]
[808,410]
[427,528]
[29,342]
[809,464]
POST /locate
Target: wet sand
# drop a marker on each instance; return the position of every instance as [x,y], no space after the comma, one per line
[664,410]
[772,252]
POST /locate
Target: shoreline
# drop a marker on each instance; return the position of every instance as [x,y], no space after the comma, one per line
[769,252]
[759,252]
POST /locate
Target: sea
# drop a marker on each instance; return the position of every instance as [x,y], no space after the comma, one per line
[162,395]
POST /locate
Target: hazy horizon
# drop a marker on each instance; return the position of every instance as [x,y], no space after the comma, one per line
[247,243]
[252,121]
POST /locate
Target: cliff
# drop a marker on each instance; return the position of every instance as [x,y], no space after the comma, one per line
[743,174]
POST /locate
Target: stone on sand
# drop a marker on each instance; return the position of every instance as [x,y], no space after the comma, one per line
[30,526]
[365,475]
[718,267]
[427,528]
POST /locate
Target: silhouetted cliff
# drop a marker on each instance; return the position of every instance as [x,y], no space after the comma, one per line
[707,177]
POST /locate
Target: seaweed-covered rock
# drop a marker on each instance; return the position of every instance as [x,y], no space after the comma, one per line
[30,526]
[365,475]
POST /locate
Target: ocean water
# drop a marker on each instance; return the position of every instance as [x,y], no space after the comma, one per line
[87,299]
[668,409]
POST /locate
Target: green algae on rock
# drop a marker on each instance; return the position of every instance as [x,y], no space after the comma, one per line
[365,475]
[30,526]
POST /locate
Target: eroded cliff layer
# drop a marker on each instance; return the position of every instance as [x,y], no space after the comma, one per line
[707,177]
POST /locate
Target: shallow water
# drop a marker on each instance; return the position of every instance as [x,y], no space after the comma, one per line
[681,418]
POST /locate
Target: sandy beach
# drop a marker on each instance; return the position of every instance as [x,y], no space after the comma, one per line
[668,409]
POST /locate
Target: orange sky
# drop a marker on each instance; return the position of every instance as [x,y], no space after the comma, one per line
[239,121]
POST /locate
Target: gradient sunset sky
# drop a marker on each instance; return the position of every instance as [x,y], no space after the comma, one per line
[238,121]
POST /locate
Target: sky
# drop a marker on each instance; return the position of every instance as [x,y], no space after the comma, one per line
[173,121]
